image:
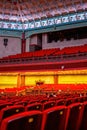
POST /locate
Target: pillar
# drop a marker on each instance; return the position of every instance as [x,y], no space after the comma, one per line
[55,79]
[23,43]
[18,80]
[22,80]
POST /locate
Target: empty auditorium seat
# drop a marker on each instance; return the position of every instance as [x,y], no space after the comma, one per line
[60,102]
[11,110]
[74,115]
[34,106]
[54,118]
[24,103]
[23,121]
[83,125]
[5,105]
[68,101]
[48,104]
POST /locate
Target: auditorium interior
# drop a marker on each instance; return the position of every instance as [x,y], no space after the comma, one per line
[43,64]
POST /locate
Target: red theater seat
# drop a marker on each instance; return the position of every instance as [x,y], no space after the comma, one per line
[48,104]
[74,116]
[83,125]
[34,106]
[60,102]
[11,110]
[68,101]
[24,103]
[23,121]
[5,105]
[54,118]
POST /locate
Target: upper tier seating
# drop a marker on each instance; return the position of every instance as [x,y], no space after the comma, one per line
[40,53]
[72,50]
[49,52]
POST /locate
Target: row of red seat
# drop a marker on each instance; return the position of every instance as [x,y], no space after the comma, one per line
[72,50]
[55,113]
[62,87]
[40,53]
[58,88]
[50,52]
[44,88]
[72,117]
[43,101]
[12,91]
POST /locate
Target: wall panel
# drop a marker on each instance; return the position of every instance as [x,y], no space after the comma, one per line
[72,79]
[8,81]
[31,80]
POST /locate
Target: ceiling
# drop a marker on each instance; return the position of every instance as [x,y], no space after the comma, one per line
[29,10]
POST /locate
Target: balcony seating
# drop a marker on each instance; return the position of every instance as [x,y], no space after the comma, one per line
[47,54]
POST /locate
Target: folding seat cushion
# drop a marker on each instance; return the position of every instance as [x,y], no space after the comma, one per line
[11,110]
[34,106]
[23,121]
[74,115]
[48,104]
[54,118]
[83,125]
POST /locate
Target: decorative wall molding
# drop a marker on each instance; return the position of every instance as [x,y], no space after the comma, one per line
[53,28]
[11,33]
[45,24]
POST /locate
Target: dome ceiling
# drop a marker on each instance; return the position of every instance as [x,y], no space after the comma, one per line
[29,10]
